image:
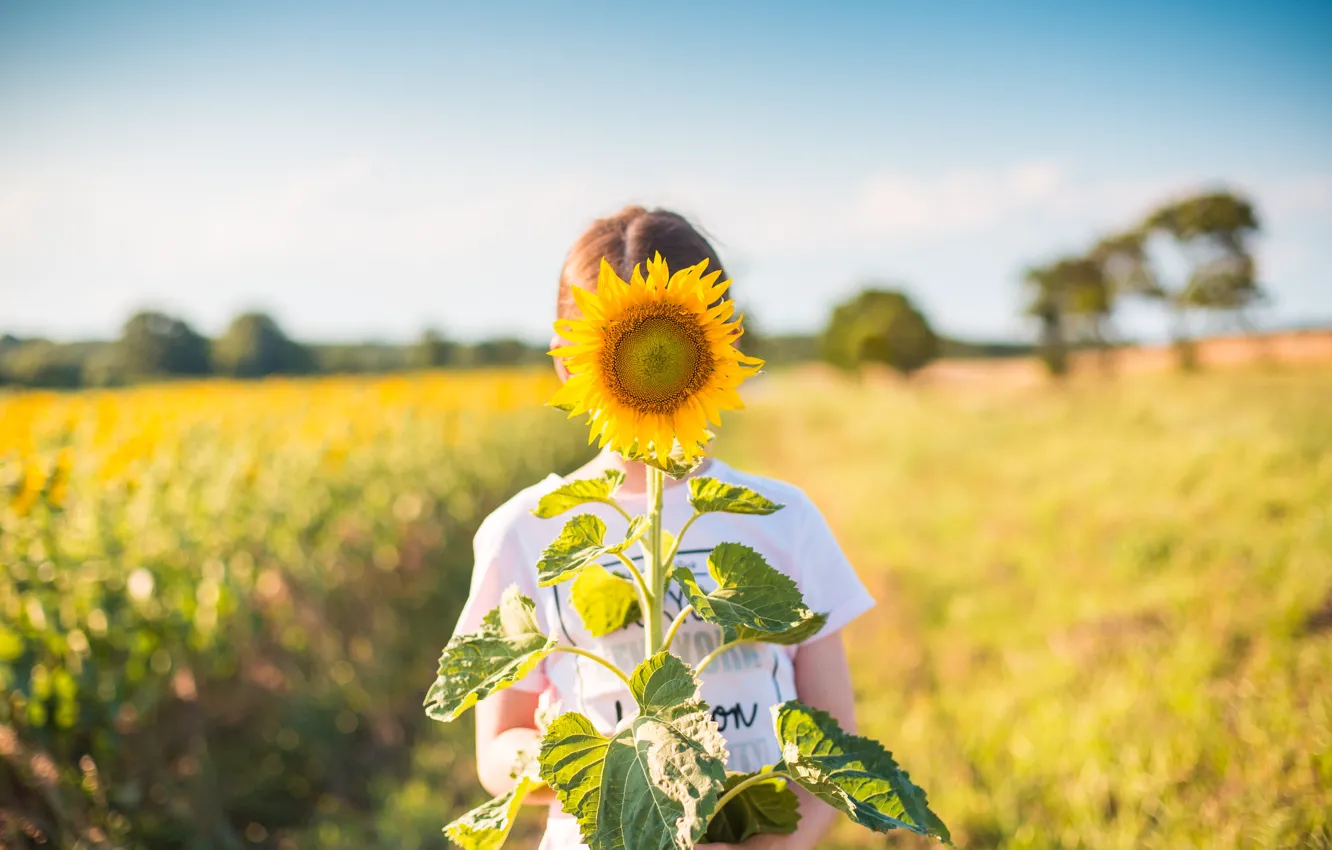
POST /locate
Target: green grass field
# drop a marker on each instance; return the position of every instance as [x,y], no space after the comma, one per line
[1105,612]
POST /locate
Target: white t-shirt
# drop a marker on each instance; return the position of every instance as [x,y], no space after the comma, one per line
[742,685]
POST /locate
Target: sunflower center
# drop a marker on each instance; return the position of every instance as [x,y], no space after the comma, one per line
[655,357]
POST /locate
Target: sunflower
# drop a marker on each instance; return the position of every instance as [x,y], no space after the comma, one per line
[653,360]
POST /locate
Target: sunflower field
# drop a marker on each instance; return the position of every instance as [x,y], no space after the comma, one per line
[220,602]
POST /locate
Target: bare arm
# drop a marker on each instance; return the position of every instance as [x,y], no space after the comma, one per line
[823,680]
[505,730]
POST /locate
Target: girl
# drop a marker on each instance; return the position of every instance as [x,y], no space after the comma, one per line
[744,684]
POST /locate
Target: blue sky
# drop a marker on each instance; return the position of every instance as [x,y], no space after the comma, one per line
[366,171]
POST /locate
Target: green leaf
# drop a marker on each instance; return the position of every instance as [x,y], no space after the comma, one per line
[654,784]
[573,762]
[580,492]
[606,602]
[474,666]
[766,808]
[749,592]
[807,628]
[853,774]
[637,528]
[581,543]
[662,682]
[708,495]
[487,826]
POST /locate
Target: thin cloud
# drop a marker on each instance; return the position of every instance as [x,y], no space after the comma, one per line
[894,203]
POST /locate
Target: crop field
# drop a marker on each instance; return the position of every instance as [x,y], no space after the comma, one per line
[221,603]
[1105,613]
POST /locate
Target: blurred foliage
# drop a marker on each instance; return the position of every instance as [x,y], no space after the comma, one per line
[791,349]
[40,363]
[1105,614]
[43,363]
[503,351]
[1071,297]
[433,350]
[1213,232]
[255,346]
[879,326]
[154,344]
[964,349]
[779,349]
[221,603]
[1074,297]
[360,358]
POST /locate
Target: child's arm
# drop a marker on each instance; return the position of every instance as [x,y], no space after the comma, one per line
[505,731]
[823,680]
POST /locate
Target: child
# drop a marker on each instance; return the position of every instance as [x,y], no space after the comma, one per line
[743,684]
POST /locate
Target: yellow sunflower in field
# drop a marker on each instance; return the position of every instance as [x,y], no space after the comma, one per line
[653,360]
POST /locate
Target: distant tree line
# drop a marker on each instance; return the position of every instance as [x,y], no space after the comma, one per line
[156,346]
[878,325]
[1074,297]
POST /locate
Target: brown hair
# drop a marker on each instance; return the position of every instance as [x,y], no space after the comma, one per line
[627,238]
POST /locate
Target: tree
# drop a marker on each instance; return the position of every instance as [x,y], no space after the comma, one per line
[1213,232]
[153,344]
[504,351]
[102,367]
[432,351]
[1044,303]
[40,363]
[1071,297]
[254,345]
[1126,265]
[879,326]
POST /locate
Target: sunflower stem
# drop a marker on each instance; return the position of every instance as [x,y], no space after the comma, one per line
[656,562]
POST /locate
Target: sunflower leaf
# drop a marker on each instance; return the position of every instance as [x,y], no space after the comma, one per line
[580,492]
[708,495]
[749,594]
[806,629]
[662,682]
[654,784]
[853,774]
[474,666]
[637,527]
[488,825]
[581,543]
[765,808]
[606,602]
